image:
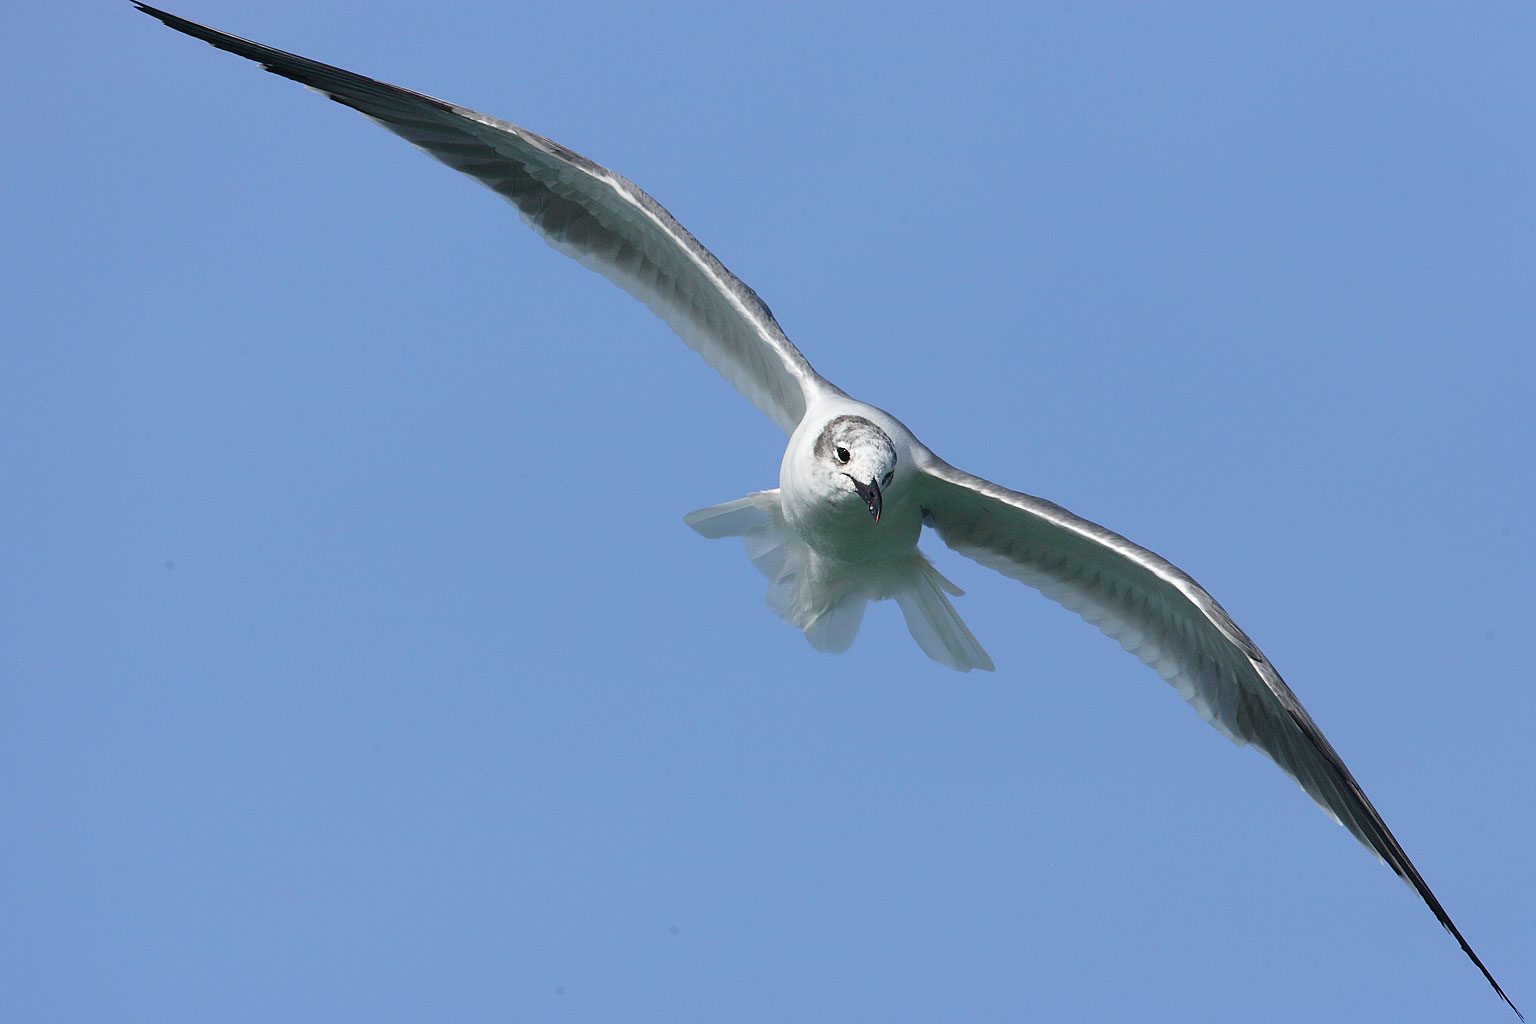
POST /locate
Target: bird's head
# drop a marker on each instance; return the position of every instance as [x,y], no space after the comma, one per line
[857,459]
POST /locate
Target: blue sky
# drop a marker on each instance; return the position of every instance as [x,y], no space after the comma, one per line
[325,699]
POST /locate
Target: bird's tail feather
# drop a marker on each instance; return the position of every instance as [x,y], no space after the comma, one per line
[933,621]
[826,601]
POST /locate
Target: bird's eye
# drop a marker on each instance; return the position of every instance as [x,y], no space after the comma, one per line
[842,455]
[885,481]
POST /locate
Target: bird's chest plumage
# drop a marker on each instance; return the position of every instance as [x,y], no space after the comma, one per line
[838,526]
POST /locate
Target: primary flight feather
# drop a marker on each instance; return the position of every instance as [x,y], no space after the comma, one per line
[855,486]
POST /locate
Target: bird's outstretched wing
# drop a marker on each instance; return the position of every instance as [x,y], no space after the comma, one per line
[585,211]
[1161,615]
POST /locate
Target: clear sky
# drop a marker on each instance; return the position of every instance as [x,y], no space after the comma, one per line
[358,664]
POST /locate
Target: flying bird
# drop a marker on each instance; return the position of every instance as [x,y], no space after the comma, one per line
[856,488]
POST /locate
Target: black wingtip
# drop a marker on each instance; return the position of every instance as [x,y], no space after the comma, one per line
[191,28]
[1506,998]
[182,25]
[154,12]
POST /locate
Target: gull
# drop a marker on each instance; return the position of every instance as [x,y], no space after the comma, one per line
[856,488]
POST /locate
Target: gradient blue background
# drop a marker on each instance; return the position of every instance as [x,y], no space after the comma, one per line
[358,664]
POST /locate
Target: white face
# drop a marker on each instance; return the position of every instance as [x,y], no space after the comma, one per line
[858,459]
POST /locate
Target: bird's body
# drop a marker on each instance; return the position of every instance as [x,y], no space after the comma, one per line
[841,530]
[856,488]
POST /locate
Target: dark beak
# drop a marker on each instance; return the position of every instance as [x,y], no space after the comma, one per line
[870,492]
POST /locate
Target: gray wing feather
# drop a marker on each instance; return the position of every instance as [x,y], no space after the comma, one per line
[1158,613]
[585,211]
